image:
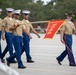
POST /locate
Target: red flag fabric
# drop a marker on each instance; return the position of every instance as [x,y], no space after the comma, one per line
[53,27]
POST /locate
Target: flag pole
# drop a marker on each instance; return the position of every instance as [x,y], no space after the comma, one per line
[40,22]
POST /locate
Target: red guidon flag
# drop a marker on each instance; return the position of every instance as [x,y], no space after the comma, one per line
[53,27]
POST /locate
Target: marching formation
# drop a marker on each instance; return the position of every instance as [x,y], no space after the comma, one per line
[17,34]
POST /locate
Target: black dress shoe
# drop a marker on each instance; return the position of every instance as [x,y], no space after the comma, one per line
[3,60]
[58,61]
[72,65]
[8,63]
[30,61]
[22,67]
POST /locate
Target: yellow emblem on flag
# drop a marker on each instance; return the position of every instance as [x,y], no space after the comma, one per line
[53,27]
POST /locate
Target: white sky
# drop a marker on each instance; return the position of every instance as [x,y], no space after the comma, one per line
[45,1]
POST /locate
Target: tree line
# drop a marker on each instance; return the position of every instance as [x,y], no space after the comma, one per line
[55,9]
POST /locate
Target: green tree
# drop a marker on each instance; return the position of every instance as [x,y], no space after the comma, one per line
[55,9]
[59,7]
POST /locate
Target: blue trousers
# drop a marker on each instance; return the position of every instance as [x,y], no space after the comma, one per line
[0,45]
[18,40]
[68,50]
[26,46]
[9,47]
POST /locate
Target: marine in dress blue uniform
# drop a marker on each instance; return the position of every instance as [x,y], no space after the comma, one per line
[26,39]
[7,34]
[17,30]
[66,32]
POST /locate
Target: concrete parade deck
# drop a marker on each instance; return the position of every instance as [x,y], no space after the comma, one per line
[44,53]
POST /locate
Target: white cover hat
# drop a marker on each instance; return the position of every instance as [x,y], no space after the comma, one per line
[26,12]
[9,9]
[17,11]
[0,10]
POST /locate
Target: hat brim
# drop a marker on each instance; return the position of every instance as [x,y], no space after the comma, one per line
[17,14]
[26,14]
[9,11]
[70,15]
